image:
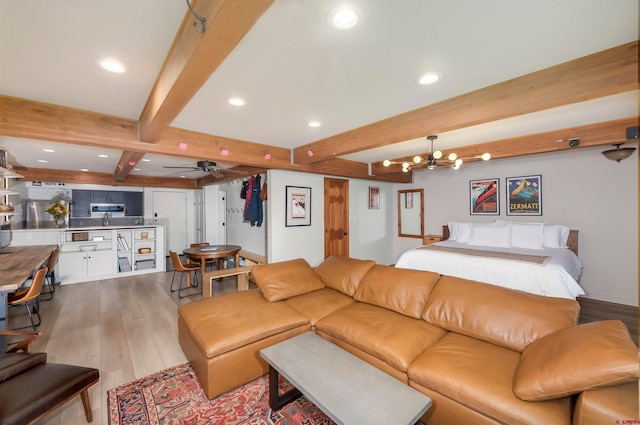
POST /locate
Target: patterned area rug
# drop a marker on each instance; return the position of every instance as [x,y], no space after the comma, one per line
[174,397]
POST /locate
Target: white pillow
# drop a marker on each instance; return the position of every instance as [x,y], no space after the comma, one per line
[555,236]
[493,234]
[527,235]
[464,232]
[453,230]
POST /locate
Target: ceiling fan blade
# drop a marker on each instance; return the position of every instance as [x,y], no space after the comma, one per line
[184,168]
[216,174]
[232,171]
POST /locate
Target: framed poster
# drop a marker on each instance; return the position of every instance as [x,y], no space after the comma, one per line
[524,195]
[484,197]
[298,207]
[374,197]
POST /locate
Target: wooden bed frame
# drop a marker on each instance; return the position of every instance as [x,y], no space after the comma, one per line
[572,240]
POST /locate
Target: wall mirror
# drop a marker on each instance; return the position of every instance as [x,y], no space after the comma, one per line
[410,213]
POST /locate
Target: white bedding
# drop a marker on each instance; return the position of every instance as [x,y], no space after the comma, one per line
[556,278]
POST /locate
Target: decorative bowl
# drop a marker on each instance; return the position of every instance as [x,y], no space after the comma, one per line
[87,248]
[144,250]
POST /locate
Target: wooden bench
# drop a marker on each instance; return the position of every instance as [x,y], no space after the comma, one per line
[242,273]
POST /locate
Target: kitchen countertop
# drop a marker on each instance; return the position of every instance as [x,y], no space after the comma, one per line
[49,226]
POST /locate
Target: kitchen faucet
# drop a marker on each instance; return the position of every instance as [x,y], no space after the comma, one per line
[105,219]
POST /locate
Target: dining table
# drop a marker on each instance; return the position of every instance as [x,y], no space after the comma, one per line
[17,264]
[203,253]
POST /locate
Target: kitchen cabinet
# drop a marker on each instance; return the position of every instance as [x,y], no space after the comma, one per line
[80,201]
[134,204]
[113,252]
[107,197]
[84,266]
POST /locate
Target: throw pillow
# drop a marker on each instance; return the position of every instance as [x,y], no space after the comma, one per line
[286,279]
[576,359]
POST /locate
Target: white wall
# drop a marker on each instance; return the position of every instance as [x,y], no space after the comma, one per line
[239,232]
[371,231]
[580,189]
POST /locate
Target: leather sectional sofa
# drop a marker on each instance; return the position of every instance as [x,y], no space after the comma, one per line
[483,354]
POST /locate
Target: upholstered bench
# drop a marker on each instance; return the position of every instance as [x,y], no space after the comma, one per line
[30,387]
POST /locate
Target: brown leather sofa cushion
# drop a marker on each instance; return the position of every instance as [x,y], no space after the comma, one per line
[510,318]
[318,304]
[286,279]
[391,337]
[343,273]
[223,323]
[478,375]
[401,290]
[12,364]
[560,364]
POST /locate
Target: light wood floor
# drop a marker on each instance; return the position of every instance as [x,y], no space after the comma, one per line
[127,328]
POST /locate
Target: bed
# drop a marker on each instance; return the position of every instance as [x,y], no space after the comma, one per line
[537,258]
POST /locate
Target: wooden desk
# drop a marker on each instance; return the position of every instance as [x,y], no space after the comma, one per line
[203,253]
[17,264]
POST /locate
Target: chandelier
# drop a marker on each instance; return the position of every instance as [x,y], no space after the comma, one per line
[434,159]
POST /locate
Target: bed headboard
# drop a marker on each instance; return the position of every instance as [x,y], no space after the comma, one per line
[572,240]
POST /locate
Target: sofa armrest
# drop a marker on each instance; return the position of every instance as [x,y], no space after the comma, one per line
[609,405]
[576,359]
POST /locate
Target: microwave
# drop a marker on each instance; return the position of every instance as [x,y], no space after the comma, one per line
[99,210]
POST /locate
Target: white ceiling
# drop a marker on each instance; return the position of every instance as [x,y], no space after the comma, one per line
[292,67]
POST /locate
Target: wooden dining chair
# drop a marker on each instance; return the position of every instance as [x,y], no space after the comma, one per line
[49,288]
[179,267]
[208,262]
[29,296]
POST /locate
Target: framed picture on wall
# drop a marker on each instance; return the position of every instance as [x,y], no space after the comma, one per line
[298,207]
[484,197]
[524,195]
[374,197]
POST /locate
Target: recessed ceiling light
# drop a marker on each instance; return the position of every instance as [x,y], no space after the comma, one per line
[235,101]
[43,160]
[344,17]
[183,177]
[428,78]
[48,150]
[111,65]
[137,169]
[103,156]
[84,169]
[146,159]
[314,123]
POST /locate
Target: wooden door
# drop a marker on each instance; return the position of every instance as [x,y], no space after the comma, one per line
[336,217]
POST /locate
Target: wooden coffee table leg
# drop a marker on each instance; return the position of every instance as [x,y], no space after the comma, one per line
[277,400]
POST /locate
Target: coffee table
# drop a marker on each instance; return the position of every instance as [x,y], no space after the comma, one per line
[347,389]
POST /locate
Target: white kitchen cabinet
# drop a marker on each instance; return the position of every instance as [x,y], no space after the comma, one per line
[116,252]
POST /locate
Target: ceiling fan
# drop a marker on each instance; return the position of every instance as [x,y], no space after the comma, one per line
[209,167]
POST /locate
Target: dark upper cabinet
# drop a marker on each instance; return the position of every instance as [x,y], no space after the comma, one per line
[134,204]
[107,197]
[80,203]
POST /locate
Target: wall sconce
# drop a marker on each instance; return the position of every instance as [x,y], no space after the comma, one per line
[618,154]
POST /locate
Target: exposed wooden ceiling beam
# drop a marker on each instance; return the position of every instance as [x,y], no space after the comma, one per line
[127,161]
[603,133]
[194,56]
[64,176]
[601,74]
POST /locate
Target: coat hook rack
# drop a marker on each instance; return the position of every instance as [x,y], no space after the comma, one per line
[203,21]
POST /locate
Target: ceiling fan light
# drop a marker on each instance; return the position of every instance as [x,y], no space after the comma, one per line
[452,156]
[417,159]
[618,154]
[486,156]
[437,154]
[386,162]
